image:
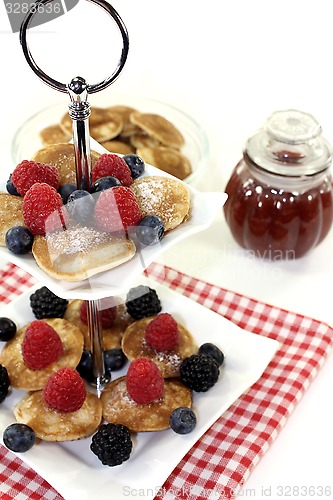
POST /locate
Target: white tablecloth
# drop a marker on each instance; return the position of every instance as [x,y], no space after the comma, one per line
[229,65]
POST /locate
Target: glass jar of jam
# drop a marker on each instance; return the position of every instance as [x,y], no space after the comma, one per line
[280,193]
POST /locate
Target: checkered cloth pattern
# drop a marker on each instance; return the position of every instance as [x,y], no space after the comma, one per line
[221,461]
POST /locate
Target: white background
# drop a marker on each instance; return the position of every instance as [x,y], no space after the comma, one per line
[229,65]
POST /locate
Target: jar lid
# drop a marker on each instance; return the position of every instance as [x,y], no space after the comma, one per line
[290,143]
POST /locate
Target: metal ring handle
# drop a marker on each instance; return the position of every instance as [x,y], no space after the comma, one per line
[62,87]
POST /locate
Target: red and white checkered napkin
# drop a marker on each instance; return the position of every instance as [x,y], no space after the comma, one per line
[226,454]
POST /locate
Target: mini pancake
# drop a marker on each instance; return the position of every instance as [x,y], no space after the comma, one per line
[103,124]
[62,157]
[10,214]
[142,140]
[125,112]
[134,346]
[53,134]
[111,336]
[119,408]
[51,425]
[23,377]
[159,128]
[166,198]
[167,159]
[80,252]
[119,147]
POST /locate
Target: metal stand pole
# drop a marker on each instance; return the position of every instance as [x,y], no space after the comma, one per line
[79,111]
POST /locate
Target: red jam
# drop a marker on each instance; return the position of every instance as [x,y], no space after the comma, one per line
[286,209]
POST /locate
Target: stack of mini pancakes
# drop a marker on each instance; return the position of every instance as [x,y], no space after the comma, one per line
[124,130]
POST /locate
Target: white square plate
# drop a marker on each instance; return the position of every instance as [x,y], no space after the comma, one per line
[76,473]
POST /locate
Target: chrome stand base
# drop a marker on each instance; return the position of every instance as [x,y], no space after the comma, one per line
[96,345]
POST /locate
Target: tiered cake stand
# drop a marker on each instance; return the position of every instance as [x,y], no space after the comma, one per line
[203,205]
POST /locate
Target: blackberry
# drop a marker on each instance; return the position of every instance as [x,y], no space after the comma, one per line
[212,350]
[183,420]
[4,383]
[19,438]
[199,372]
[112,444]
[45,304]
[142,301]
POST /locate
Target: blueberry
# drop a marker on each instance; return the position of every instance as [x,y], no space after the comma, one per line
[150,230]
[80,206]
[213,351]
[7,329]
[183,420]
[85,367]
[65,190]
[19,240]
[19,437]
[114,359]
[11,189]
[4,383]
[105,183]
[136,165]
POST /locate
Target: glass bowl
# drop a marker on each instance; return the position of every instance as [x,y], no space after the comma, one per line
[27,139]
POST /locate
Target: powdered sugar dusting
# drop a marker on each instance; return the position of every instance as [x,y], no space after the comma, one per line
[168,358]
[75,240]
[123,394]
[164,197]
[148,192]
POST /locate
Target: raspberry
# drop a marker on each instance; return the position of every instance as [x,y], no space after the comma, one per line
[28,173]
[108,315]
[65,391]
[144,381]
[162,332]
[43,210]
[41,345]
[112,164]
[117,209]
